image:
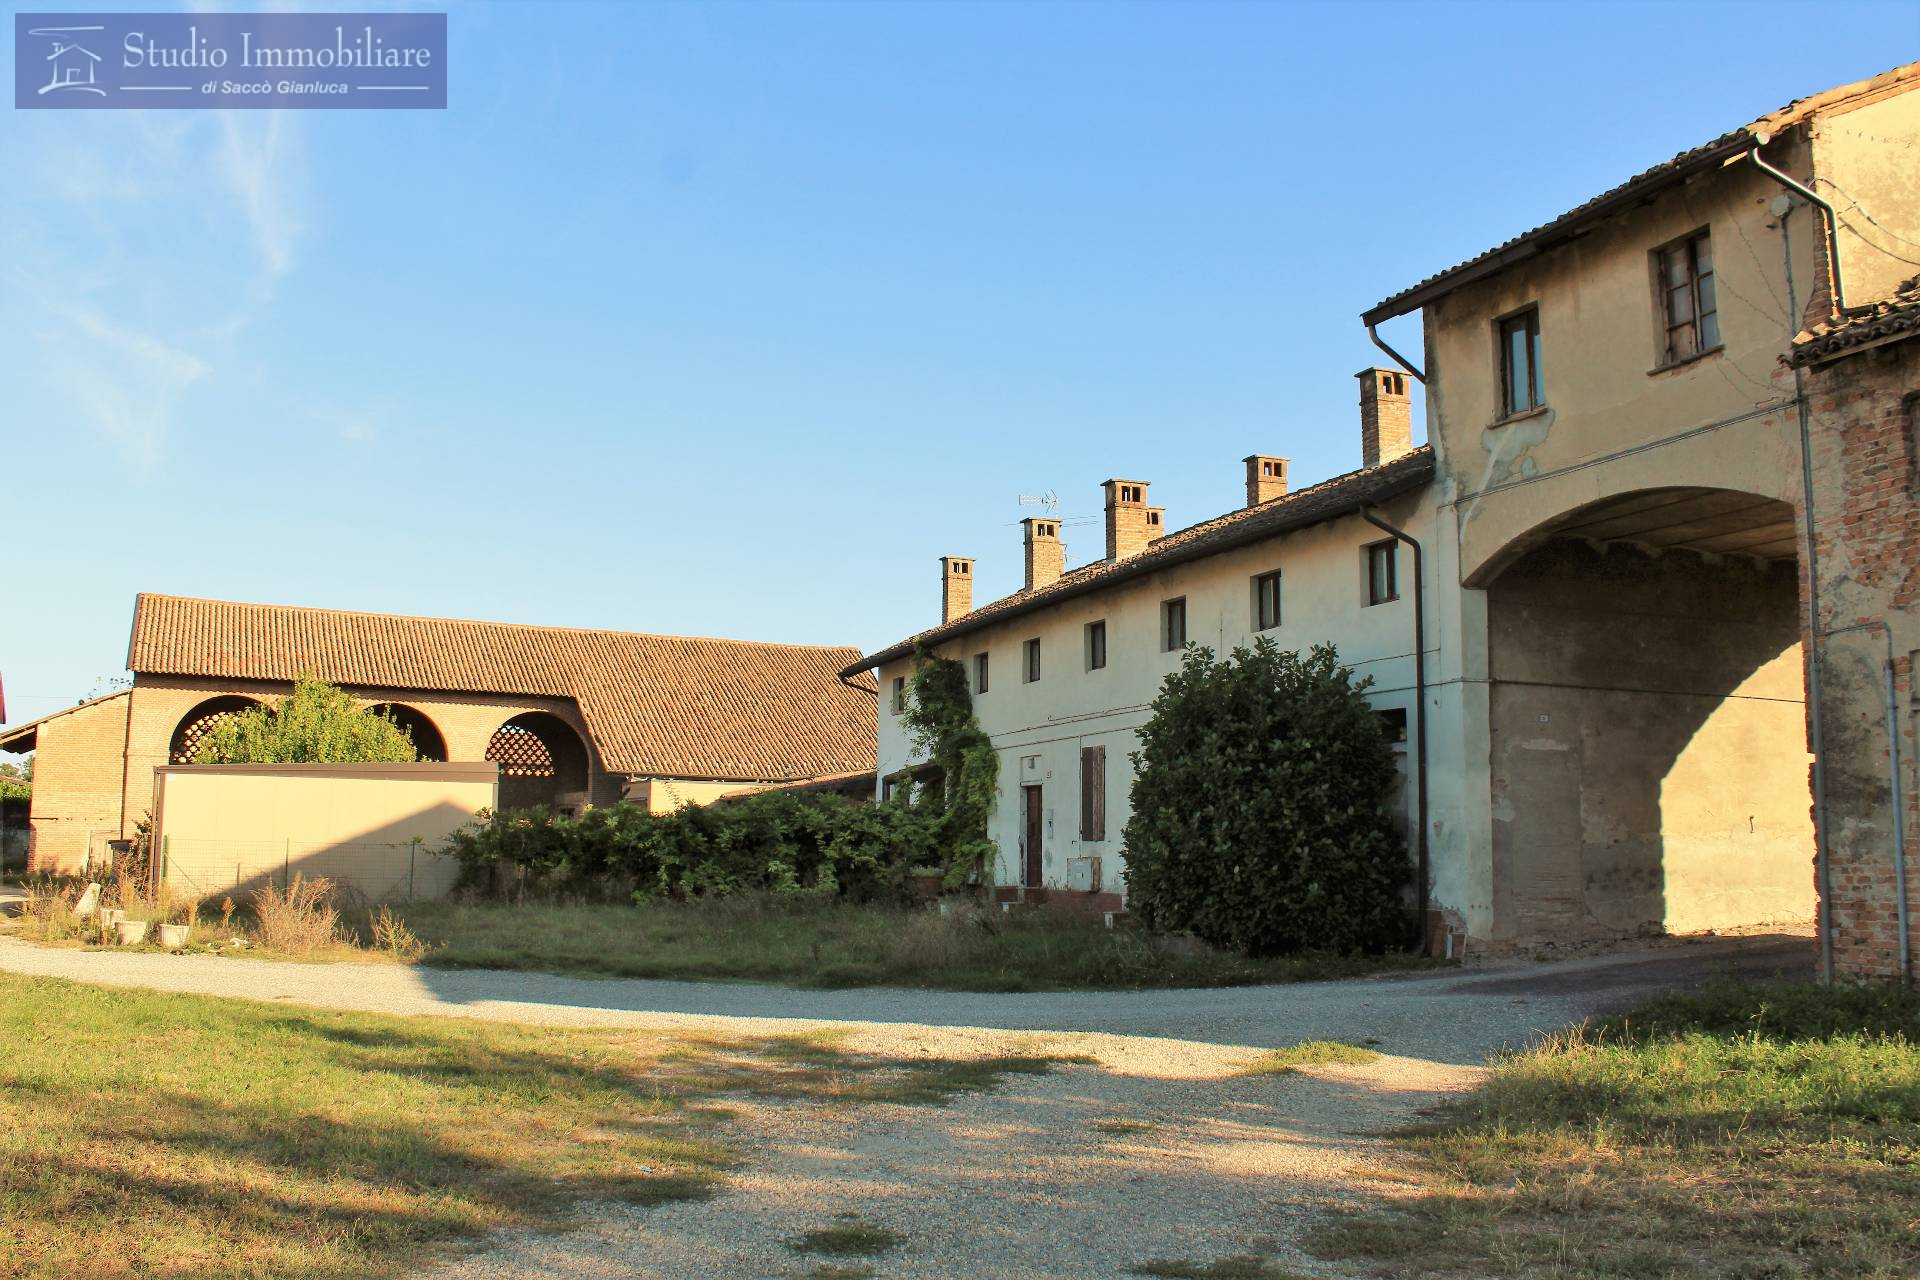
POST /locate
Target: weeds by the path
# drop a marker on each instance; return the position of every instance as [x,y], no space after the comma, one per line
[1308,1053]
[1743,1132]
[145,1134]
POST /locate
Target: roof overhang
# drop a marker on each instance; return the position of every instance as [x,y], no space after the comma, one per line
[1569,226]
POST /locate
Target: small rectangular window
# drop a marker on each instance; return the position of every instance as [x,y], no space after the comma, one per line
[1266,601]
[1520,362]
[1383,572]
[1096,645]
[979,673]
[899,694]
[1093,793]
[886,789]
[1032,672]
[1688,308]
[1393,722]
[1173,624]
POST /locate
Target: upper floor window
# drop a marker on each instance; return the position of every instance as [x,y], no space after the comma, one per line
[1032,671]
[1383,572]
[1173,624]
[1687,305]
[899,694]
[1520,363]
[1266,601]
[1096,645]
[979,673]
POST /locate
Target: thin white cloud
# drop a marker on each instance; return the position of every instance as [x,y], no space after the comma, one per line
[259,161]
[124,383]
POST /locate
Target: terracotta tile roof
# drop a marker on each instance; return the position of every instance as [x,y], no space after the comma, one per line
[854,782]
[1857,327]
[665,706]
[1324,501]
[1639,188]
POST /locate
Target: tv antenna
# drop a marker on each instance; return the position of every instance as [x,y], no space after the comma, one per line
[1048,501]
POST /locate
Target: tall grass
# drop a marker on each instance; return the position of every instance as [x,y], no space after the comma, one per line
[299,919]
[825,943]
[1743,1131]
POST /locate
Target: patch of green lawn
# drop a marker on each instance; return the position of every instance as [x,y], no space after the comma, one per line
[1244,1266]
[850,1235]
[838,944]
[1308,1053]
[1748,1131]
[145,1134]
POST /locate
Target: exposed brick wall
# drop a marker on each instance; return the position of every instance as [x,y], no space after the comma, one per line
[1867,536]
[76,785]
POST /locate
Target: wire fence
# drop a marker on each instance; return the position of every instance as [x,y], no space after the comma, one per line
[206,868]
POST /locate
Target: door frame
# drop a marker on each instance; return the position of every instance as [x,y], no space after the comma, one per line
[1033,823]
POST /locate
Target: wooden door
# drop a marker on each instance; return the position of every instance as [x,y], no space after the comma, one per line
[1031,842]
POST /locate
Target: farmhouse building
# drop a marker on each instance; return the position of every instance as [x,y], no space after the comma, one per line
[572,717]
[1612,684]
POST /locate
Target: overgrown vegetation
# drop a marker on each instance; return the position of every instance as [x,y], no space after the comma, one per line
[145,1134]
[1745,1131]
[315,724]
[850,1235]
[1309,1053]
[777,843]
[966,787]
[1260,818]
[824,943]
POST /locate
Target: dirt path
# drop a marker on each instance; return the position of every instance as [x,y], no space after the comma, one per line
[1159,1152]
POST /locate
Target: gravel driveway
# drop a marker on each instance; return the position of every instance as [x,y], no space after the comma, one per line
[1159,1152]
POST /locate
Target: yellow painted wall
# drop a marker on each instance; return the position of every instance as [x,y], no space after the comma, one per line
[229,828]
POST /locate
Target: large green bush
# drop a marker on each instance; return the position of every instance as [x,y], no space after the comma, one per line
[315,724]
[778,842]
[1260,807]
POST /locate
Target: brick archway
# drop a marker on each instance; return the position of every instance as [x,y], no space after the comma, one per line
[418,726]
[202,720]
[542,761]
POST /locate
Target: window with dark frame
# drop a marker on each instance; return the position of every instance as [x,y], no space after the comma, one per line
[1093,793]
[1096,645]
[1687,305]
[1383,572]
[1266,601]
[1032,671]
[979,673]
[899,694]
[1520,363]
[1173,624]
[1393,722]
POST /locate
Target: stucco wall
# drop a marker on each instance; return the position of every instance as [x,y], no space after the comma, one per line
[1039,729]
[1863,161]
[1648,745]
[226,829]
[664,795]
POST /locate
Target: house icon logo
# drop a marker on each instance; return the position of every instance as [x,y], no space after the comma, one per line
[73,66]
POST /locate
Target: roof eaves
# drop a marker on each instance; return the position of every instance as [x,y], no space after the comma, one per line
[1328,500]
[32,726]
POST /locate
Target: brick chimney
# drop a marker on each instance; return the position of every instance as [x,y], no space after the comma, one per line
[956,587]
[1126,518]
[1386,416]
[1046,558]
[1266,478]
[1156,524]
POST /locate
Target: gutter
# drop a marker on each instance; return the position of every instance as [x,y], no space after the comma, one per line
[1422,857]
[1837,298]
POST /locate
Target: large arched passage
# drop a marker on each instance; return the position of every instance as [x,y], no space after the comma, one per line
[201,721]
[419,728]
[1649,765]
[542,761]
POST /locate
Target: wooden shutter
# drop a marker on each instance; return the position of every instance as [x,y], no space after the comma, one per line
[1093,793]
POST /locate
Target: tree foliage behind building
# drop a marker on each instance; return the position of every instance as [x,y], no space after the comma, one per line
[315,724]
[1260,818]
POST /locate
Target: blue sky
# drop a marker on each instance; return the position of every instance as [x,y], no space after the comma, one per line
[729,319]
